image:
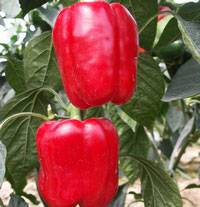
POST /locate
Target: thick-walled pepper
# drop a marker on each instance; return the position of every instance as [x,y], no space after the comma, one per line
[96,44]
[78,162]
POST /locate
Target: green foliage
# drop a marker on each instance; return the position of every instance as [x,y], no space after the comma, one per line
[145,104]
[15,74]
[40,67]
[131,143]
[145,13]
[48,14]
[17,201]
[149,129]
[27,5]
[18,136]
[120,197]
[185,83]
[191,36]
[2,162]
[169,35]
[190,11]
[159,190]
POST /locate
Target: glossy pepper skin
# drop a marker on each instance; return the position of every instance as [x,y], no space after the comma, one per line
[78,162]
[96,44]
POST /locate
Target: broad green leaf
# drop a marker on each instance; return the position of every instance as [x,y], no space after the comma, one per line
[146,102]
[191,36]
[38,22]
[175,118]
[2,162]
[161,26]
[159,190]
[185,83]
[190,11]
[11,8]
[17,201]
[135,144]
[28,5]
[48,14]
[40,67]
[169,35]
[133,140]
[145,14]
[18,136]
[183,138]
[67,2]
[15,74]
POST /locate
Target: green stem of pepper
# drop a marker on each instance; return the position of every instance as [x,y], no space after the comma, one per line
[75,113]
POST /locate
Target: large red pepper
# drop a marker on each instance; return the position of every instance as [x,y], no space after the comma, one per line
[79,162]
[96,44]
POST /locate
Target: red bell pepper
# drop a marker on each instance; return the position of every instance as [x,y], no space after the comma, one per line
[78,162]
[96,44]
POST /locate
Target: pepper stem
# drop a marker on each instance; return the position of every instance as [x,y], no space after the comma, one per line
[15,116]
[75,113]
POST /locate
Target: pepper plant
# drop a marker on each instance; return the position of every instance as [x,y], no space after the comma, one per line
[155,127]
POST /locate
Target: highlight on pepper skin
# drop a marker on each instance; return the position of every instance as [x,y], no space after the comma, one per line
[97,61]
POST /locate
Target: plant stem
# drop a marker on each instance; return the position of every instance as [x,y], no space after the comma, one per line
[15,116]
[180,154]
[60,101]
[74,112]
[152,18]
[126,118]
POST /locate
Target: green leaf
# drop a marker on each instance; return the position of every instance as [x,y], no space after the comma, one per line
[28,5]
[38,21]
[49,14]
[40,67]
[67,2]
[93,112]
[133,140]
[159,190]
[170,34]
[146,102]
[190,11]
[185,83]
[134,144]
[2,162]
[17,201]
[11,8]
[120,198]
[180,143]
[15,74]
[18,136]
[175,118]
[191,36]
[145,14]
[31,198]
